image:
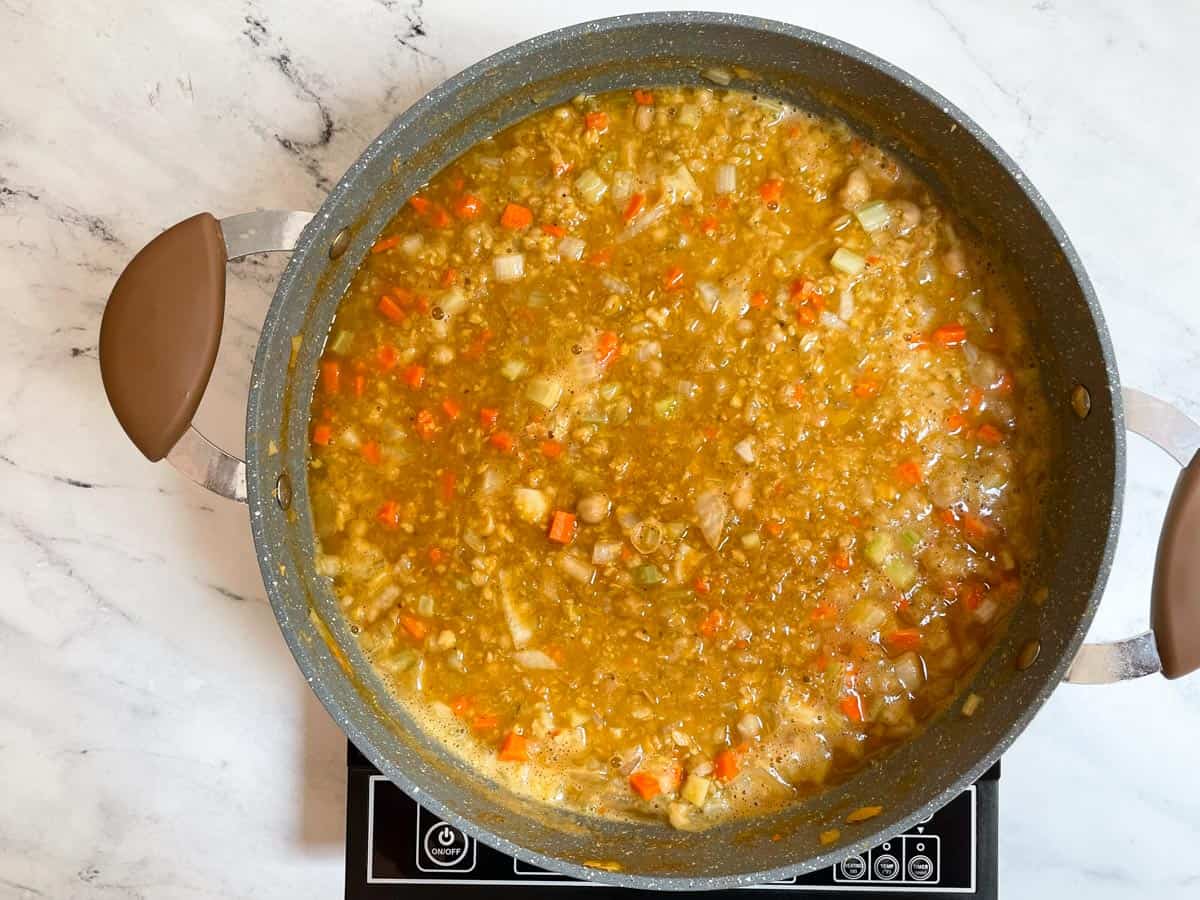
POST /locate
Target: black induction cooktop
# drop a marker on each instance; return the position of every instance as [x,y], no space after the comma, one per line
[395,849]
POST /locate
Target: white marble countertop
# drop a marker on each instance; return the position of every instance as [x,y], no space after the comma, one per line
[156,739]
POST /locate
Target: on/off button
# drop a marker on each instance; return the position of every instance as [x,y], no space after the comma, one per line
[442,847]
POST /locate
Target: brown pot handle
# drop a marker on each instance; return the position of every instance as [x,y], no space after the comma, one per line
[1172,646]
[160,333]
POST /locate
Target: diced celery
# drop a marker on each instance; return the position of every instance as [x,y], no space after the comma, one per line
[342,342]
[648,575]
[591,186]
[878,547]
[873,216]
[911,536]
[512,369]
[544,391]
[610,390]
[751,540]
[695,789]
[667,407]
[675,531]
[847,261]
[901,573]
[593,416]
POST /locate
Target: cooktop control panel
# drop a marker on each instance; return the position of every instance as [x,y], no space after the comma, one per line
[395,848]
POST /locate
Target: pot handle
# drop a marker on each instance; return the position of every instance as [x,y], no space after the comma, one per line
[1172,646]
[161,329]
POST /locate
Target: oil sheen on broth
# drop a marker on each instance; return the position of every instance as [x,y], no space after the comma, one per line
[673,452]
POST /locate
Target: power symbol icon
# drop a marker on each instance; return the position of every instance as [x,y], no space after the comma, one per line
[445,836]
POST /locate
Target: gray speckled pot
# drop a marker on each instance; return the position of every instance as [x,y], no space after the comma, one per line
[887,105]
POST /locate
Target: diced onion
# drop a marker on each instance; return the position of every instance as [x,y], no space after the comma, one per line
[873,216]
[726,178]
[745,450]
[718,75]
[591,186]
[411,245]
[971,705]
[643,221]
[571,248]
[534,659]
[710,295]
[613,284]
[576,568]
[846,305]
[847,261]
[509,267]
[643,119]
[545,392]
[712,510]
[453,301]
[680,186]
[829,320]
[605,552]
[622,187]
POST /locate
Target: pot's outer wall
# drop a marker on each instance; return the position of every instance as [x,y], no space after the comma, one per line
[886,105]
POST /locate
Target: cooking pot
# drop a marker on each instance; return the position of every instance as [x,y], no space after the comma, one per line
[159,337]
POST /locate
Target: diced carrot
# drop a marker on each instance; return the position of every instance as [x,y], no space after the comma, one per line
[774,527]
[479,345]
[727,764]
[771,191]
[806,315]
[710,432]
[948,516]
[841,561]
[634,206]
[596,121]
[608,345]
[1005,384]
[384,244]
[322,435]
[974,398]
[874,259]
[713,622]
[385,356]
[420,204]
[488,417]
[514,748]
[951,335]
[439,218]
[972,596]
[645,784]
[909,472]
[371,452]
[990,434]
[437,555]
[851,706]
[389,514]
[673,279]
[803,290]
[824,611]
[452,408]
[643,98]
[414,376]
[553,230]
[601,257]
[975,526]
[516,217]
[551,449]
[415,627]
[461,705]
[485,722]
[390,309]
[562,527]
[903,639]
[561,167]
[446,480]
[426,425]
[868,387]
[331,376]
[502,441]
[449,277]
[360,385]
[701,585]
[709,224]
[468,206]
[955,423]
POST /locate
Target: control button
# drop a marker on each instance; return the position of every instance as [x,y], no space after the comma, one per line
[920,868]
[887,867]
[441,847]
[853,868]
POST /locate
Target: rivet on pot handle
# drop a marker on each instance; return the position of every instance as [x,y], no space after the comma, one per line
[1173,645]
[160,333]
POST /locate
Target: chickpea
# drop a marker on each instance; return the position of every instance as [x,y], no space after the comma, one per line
[856,191]
[593,508]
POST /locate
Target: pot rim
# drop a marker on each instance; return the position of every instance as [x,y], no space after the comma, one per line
[261,483]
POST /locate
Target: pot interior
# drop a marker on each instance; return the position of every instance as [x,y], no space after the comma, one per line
[977,179]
